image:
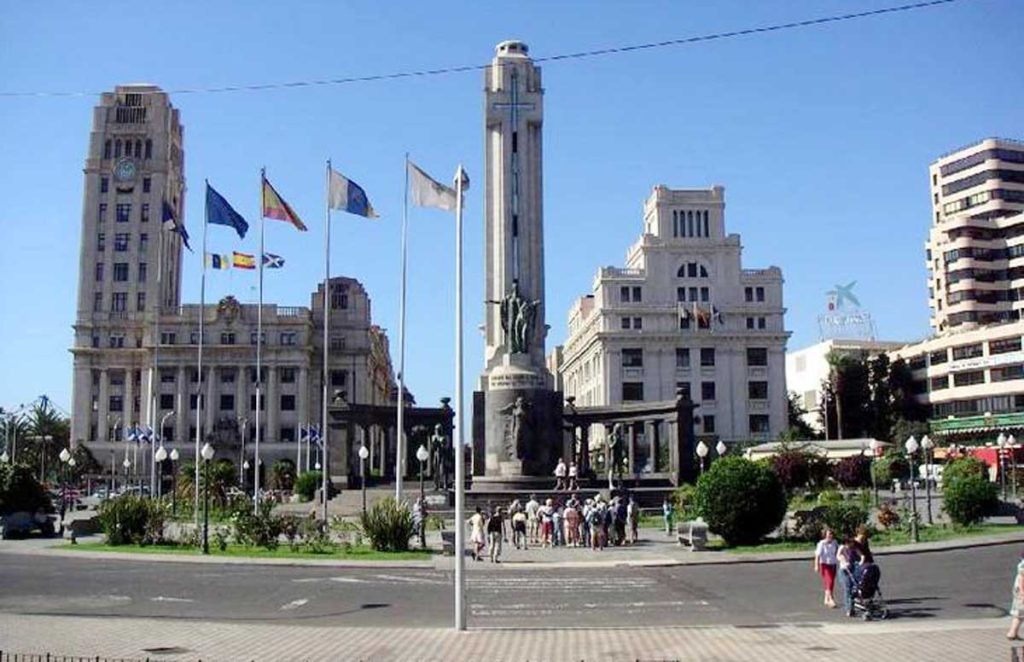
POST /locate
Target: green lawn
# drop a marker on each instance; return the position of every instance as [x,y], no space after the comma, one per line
[879,540]
[363,553]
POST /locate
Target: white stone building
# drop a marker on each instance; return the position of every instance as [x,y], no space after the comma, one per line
[683,314]
[124,375]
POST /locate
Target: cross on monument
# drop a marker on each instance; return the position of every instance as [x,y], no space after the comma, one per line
[513,104]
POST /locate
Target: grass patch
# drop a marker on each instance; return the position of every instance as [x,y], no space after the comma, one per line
[879,540]
[336,552]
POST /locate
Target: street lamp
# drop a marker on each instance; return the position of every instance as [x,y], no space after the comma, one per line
[4,457]
[245,423]
[422,455]
[702,452]
[174,482]
[65,457]
[721,448]
[1012,443]
[158,434]
[245,472]
[1001,442]
[363,454]
[159,457]
[127,464]
[927,444]
[911,445]
[874,445]
[207,453]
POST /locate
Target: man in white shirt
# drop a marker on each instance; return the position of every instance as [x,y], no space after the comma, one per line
[532,508]
[560,475]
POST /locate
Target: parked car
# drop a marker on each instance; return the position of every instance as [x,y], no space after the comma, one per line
[21,523]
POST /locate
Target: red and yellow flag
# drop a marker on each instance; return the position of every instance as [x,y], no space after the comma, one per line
[275,207]
[243,260]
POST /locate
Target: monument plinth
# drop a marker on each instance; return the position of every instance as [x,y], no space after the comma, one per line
[517,416]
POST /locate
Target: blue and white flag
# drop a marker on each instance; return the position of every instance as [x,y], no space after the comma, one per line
[346,195]
[131,434]
[271,261]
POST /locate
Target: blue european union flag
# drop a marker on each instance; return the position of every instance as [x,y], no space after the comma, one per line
[219,212]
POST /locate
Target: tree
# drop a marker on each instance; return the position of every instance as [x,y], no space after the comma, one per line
[282,474]
[48,432]
[881,397]
[797,429]
[742,501]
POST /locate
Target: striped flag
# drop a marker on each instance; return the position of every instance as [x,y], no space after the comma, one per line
[275,207]
[218,261]
[243,260]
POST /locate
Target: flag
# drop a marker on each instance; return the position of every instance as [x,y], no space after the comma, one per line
[131,434]
[426,192]
[217,261]
[243,260]
[275,207]
[219,212]
[271,261]
[345,195]
[716,314]
[171,223]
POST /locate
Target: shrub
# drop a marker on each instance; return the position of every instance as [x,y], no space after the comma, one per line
[830,497]
[19,490]
[853,471]
[282,475]
[259,529]
[887,517]
[964,467]
[685,501]
[388,525]
[970,499]
[307,484]
[844,518]
[889,467]
[793,468]
[132,520]
[740,500]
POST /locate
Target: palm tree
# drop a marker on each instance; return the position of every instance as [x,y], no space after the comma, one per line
[837,363]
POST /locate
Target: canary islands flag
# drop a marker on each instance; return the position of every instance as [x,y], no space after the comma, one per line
[345,195]
[218,261]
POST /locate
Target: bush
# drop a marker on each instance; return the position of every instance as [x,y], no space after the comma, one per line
[793,468]
[20,491]
[740,500]
[259,529]
[964,467]
[132,520]
[887,517]
[891,466]
[282,475]
[970,499]
[685,502]
[388,525]
[853,471]
[307,484]
[844,518]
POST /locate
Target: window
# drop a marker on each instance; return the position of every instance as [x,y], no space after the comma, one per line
[287,403]
[227,402]
[104,184]
[966,352]
[287,375]
[758,424]
[638,323]
[680,294]
[263,401]
[95,344]
[166,401]
[167,337]
[626,322]
[116,403]
[192,399]
[939,383]
[624,294]
[287,433]
[757,356]
[637,295]
[691,270]
[684,322]
[338,377]
[101,241]
[252,338]
[142,272]
[337,342]
[750,322]
[705,294]
[918,362]
[939,357]
[757,390]
[97,302]
[227,338]
[632,358]
[123,212]
[682,357]
[707,357]
[1004,345]
[146,184]
[140,301]
[632,391]
[106,150]
[339,297]
[709,424]
[121,241]
[167,377]
[99,272]
[101,215]
[144,213]
[969,378]
[227,376]
[1007,373]
[288,338]
[117,148]
[119,302]
[759,294]
[748,294]
[707,390]
[120,272]
[149,148]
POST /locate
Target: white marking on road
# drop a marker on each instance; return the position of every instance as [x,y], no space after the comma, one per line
[294,604]
[410,580]
[162,598]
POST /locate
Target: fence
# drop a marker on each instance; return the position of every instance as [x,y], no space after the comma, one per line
[8,656]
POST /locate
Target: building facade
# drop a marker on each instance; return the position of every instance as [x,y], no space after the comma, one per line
[971,372]
[136,345]
[683,314]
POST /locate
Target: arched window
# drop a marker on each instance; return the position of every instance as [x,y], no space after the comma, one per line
[106,150]
[692,270]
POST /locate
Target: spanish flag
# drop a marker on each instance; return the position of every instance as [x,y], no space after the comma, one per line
[243,260]
[275,207]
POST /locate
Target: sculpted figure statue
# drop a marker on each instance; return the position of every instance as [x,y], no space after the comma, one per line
[518,318]
[518,419]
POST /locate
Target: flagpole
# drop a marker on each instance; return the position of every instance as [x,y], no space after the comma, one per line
[325,377]
[400,455]
[259,361]
[154,380]
[199,363]
[460,456]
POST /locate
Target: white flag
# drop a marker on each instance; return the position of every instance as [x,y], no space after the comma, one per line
[428,193]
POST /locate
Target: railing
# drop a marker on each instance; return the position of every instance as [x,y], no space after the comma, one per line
[616,272]
[758,273]
[292,311]
[7,656]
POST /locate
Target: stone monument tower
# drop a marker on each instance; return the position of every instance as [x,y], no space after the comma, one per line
[519,431]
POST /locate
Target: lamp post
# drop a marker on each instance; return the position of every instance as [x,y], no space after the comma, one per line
[158,435]
[207,453]
[245,472]
[1011,441]
[158,458]
[874,445]
[65,457]
[174,482]
[241,476]
[721,448]
[927,444]
[702,452]
[911,445]
[363,454]
[422,455]
[127,464]
[1001,442]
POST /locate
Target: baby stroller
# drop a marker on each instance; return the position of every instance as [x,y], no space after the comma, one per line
[867,596]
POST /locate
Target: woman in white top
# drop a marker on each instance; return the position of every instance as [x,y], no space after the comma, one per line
[476,535]
[825,561]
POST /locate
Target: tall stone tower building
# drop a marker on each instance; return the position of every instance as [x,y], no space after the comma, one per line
[135,163]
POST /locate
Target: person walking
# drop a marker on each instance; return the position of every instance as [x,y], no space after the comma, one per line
[632,522]
[533,518]
[667,514]
[825,562]
[1017,605]
[847,557]
[496,532]
[476,535]
[560,471]
[574,477]
[519,529]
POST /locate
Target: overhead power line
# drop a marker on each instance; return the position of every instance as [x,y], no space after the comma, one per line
[600,52]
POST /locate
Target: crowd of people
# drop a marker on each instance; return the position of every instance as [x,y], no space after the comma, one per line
[593,522]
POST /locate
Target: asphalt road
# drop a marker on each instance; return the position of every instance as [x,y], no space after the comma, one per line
[962,584]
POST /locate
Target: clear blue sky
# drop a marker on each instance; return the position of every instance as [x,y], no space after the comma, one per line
[821,136]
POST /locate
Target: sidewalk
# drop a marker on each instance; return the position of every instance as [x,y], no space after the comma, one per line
[180,640]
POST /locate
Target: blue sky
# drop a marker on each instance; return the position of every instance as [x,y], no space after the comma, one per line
[822,137]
